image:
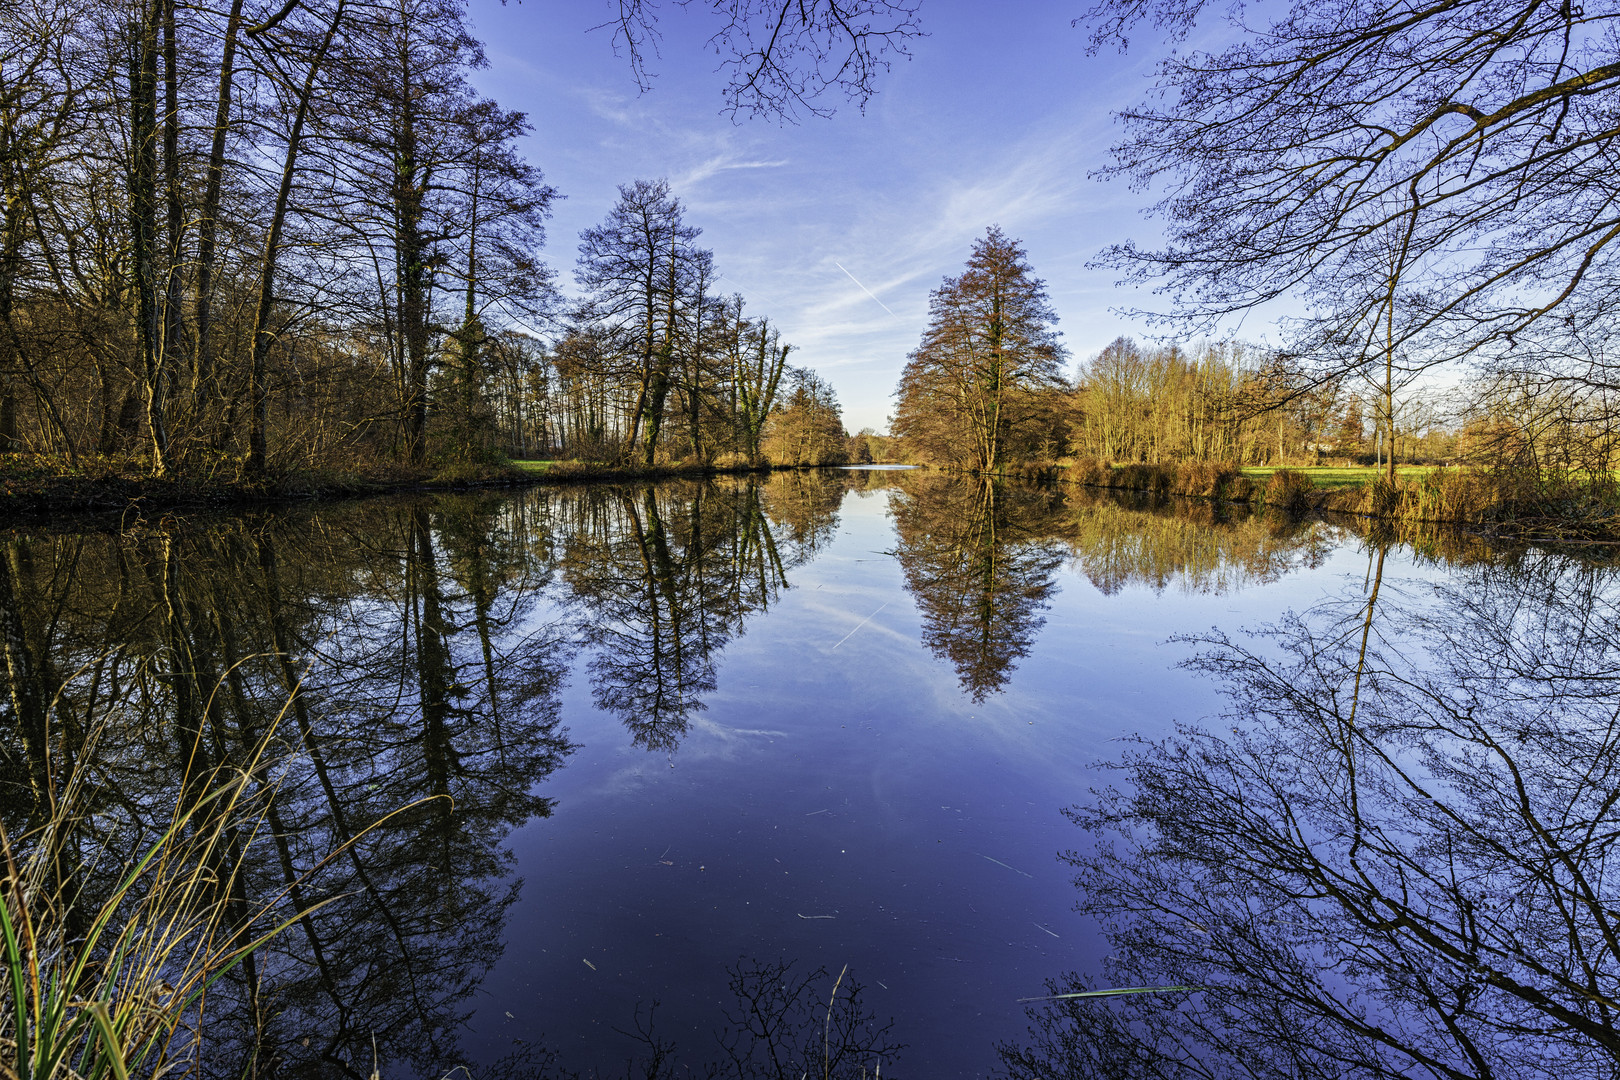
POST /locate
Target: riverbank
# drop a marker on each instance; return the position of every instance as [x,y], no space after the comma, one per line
[1510,504]
[35,486]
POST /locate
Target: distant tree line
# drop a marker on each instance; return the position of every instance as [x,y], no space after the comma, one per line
[246,238]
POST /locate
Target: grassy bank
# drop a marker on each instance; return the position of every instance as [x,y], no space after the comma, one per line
[584,472]
[42,485]
[1561,506]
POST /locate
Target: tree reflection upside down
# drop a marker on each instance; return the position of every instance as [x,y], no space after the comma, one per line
[1393,860]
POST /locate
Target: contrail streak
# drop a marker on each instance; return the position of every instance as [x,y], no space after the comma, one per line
[864,289]
[885,603]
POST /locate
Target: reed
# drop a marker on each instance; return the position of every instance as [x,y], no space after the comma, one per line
[1508,500]
[107,962]
[1036,470]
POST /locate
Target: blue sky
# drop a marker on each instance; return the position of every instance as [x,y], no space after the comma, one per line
[997,119]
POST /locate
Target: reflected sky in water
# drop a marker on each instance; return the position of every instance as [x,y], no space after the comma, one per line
[843,798]
[707,745]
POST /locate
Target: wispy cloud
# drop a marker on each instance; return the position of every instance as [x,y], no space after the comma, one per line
[889,202]
[721,163]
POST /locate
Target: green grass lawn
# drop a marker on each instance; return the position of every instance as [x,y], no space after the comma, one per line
[533,466]
[1327,476]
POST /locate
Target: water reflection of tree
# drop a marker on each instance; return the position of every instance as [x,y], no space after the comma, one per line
[1194,547]
[783,1022]
[421,682]
[980,559]
[403,660]
[803,508]
[1398,858]
[664,577]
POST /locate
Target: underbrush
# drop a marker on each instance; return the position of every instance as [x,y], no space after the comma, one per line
[1548,504]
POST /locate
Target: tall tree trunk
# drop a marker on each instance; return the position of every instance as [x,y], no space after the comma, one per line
[11,242]
[471,334]
[174,224]
[142,183]
[203,366]
[263,336]
[410,253]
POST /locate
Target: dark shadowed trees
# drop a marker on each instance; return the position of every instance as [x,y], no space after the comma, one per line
[634,267]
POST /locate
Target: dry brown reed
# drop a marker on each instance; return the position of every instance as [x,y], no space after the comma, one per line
[1290,491]
[1200,479]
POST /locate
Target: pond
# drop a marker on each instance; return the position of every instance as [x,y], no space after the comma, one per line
[832,772]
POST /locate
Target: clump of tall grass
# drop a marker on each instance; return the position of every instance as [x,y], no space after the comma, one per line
[1138,476]
[1482,496]
[1092,472]
[1213,480]
[1289,490]
[106,963]
[1039,470]
[101,987]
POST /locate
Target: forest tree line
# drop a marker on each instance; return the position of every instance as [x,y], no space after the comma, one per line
[988,390]
[241,239]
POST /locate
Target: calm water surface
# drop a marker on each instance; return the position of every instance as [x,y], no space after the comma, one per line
[680,765]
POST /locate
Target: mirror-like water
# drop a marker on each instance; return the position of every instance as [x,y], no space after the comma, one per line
[621,777]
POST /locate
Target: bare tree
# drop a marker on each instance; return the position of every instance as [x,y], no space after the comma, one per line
[634,267]
[780,57]
[1473,141]
[972,387]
